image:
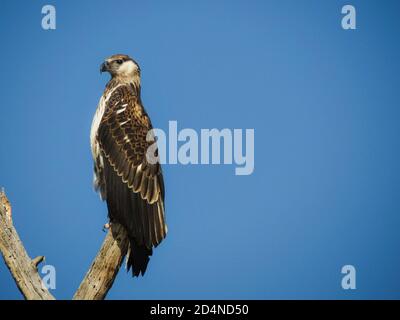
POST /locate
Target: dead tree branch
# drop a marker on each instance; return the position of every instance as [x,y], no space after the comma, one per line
[22,268]
[98,280]
[100,277]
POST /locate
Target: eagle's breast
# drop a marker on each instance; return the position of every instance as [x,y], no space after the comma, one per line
[94,144]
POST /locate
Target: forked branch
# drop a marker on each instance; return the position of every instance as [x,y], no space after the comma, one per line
[95,285]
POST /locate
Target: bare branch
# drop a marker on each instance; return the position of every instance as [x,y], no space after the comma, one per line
[36,261]
[98,280]
[22,268]
[101,275]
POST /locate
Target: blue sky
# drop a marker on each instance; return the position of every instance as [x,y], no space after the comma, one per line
[324,103]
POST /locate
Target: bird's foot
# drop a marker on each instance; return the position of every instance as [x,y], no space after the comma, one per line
[106,226]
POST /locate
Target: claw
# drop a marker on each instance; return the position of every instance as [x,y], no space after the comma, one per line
[106,227]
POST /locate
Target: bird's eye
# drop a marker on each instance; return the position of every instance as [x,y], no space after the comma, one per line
[120,61]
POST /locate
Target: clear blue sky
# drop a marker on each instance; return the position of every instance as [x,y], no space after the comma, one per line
[324,104]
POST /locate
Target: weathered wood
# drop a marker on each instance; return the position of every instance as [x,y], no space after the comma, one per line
[101,275]
[22,268]
[95,285]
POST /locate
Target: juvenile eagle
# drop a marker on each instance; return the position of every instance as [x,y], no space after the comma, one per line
[132,187]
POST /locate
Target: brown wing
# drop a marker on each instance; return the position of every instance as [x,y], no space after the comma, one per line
[134,187]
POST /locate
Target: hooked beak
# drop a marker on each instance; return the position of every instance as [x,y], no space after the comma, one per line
[104,67]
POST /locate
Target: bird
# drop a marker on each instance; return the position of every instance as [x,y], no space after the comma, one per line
[132,186]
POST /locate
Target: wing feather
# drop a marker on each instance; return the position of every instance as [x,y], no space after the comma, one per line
[134,187]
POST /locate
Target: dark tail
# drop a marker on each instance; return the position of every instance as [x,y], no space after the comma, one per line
[138,258]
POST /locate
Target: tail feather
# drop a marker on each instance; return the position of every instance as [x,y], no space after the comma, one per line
[138,258]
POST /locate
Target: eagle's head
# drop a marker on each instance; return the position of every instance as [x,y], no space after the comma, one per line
[121,66]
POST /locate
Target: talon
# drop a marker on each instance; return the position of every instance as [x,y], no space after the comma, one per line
[106,226]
